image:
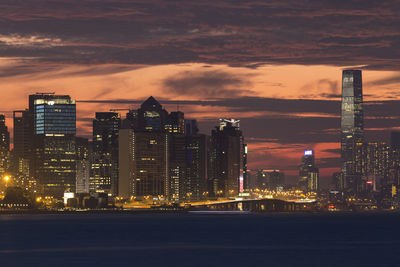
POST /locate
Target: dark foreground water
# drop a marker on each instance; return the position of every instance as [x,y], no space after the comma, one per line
[200,240]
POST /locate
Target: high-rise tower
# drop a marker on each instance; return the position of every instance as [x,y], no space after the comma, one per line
[308,172]
[104,167]
[53,153]
[227,158]
[4,145]
[352,128]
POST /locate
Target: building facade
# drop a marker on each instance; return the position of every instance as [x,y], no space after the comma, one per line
[4,146]
[104,158]
[226,158]
[54,152]
[308,173]
[352,125]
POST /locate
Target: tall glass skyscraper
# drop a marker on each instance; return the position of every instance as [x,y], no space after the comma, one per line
[53,154]
[227,161]
[104,167]
[352,124]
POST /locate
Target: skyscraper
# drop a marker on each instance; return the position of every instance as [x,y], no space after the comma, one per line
[104,160]
[144,152]
[53,153]
[226,158]
[144,164]
[197,168]
[4,146]
[151,117]
[175,123]
[83,153]
[23,130]
[175,126]
[269,179]
[352,128]
[308,172]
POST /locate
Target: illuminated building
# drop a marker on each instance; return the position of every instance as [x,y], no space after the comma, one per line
[308,173]
[395,157]
[82,165]
[144,152]
[243,178]
[104,159]
[144,163]
[373,162]
[270,179]
[21,158]
[177,167]
[198,154]
[337,181]
[226,158]
[175,123]
[352,128]
[151,117]
[54,128]
[4,146]
[126,163]
[175,126]
[21,155]
[261,180]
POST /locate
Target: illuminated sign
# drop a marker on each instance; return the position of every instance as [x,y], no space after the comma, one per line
[308,152]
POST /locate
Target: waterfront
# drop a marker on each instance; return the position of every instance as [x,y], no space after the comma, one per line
[205,239]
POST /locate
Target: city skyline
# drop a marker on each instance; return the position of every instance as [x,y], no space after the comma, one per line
[290,167]
[284,87]
[199,133]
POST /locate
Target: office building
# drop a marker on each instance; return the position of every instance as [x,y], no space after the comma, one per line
[175,123]
[198,153]
[270,179]
[53,152]
[151,117]
[226,158]
[191,127]
[145,154]
[83,152]
[4,146]
[352,127]
[104,158]
[144,164]
[308,172]
[373,162]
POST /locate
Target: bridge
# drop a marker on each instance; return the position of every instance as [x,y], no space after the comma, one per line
[256,205]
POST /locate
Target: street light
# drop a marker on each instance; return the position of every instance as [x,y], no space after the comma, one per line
[6,179]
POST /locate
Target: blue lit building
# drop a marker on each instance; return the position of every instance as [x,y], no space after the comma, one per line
[308,172]
[53,155]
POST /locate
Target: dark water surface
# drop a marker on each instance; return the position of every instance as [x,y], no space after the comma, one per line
[200,240]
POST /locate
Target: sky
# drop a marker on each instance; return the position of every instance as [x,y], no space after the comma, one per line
[275,65]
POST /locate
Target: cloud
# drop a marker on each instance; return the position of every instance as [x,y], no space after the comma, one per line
[249,33]
[29,41]
[210,84]
[394,79]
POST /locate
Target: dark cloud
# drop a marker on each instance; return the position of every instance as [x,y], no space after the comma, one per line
[389,80]
[245,33]
[210,84]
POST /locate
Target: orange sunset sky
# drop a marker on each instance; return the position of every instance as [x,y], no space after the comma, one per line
[276,67]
